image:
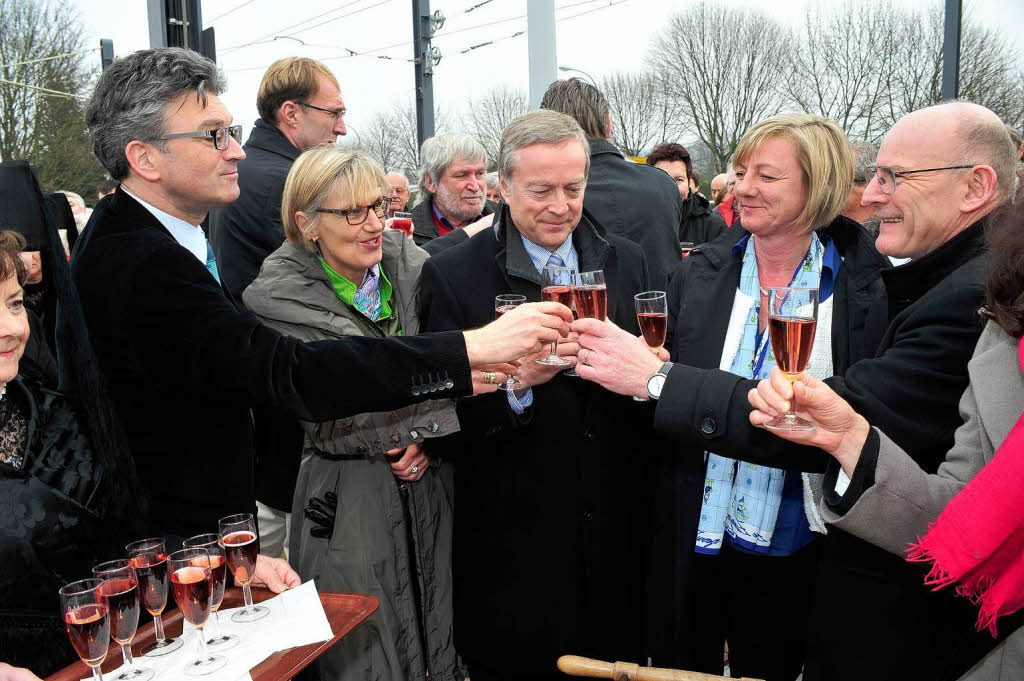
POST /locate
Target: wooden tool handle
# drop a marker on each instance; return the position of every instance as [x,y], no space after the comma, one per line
[626,671]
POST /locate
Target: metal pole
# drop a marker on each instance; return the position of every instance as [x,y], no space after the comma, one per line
[540,29]
[951,49]
[421,33]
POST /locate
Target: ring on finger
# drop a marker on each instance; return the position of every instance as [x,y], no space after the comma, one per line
[415,469]
[489,377]
[586,358]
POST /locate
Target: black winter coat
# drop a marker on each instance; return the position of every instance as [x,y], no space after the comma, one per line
[244,233]
[638,202]
[701,223]
[183,366]
[55,525]
[551,506]
[700,404]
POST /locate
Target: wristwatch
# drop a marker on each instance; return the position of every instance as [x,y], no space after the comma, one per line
[656,382]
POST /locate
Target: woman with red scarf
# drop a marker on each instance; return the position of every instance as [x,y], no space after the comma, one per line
[966,522]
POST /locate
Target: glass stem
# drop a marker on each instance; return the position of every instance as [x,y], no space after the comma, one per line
[247,596]
[554,348]
[97,675]
[126,653]
[216,632]
[158,622]
[201,637]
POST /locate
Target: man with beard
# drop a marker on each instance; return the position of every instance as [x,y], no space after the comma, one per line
[452,186]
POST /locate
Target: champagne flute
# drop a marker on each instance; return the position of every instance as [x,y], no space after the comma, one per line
[219,575]
[120,592]
[792,321]
[685,247]
[241,542]
[149,556]
[652,315]
[589,299]
[556,286]
[87,622]
[503,304]
[192,585]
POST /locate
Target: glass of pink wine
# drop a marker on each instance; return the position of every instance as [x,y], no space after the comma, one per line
[219,574]
[192,585]
[556,287]
[502,304]
[589,299]
[241,544]
[149,556]
[652,316]
[120,591]
[87,621]
[792,321]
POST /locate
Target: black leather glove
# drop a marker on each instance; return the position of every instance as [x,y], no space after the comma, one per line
[322,513]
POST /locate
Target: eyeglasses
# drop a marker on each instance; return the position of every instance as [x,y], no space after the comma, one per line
[221,136]
[358,215]
[862,176]
[887,177]
[337,113]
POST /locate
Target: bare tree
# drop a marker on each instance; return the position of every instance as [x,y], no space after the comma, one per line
[639,108]
[44,74]
[724,69]
[390,138]
[486,118]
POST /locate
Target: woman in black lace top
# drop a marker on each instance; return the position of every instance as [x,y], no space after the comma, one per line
[58,502]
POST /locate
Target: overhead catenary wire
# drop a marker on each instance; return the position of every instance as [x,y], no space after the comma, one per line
[46,91]
[50,58]
[282,32]
[233,9]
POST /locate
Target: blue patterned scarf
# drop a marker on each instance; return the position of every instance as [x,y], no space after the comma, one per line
[740,498]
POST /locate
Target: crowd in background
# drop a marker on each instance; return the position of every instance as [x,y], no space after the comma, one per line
[260,308]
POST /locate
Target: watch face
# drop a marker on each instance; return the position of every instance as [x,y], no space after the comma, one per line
[655,384]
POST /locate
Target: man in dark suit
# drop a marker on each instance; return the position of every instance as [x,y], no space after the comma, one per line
[183,365]
[300,107]
[628,199]
[551,479]
[453,190]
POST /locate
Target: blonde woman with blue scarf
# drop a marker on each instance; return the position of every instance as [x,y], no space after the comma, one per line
[742,539]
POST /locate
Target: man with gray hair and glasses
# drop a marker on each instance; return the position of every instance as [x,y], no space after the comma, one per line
[453,192]
[182,364]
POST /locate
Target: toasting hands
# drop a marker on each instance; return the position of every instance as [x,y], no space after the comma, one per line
[841,431]
[521,331]
[615,359]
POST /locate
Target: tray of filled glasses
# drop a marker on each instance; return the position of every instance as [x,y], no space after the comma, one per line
[218,633]
[343,612]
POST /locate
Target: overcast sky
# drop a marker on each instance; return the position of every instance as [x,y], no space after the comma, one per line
[600,37]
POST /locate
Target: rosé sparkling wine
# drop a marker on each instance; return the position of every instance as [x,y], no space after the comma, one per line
[792,340]
[241,548]
[193,593]
[88,627]
[591,301]
[654,326]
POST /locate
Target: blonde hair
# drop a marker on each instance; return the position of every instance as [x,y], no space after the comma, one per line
[824,154]
[317,174]
[293,79]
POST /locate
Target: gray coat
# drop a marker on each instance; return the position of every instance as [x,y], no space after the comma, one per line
[370,550]
[903,500]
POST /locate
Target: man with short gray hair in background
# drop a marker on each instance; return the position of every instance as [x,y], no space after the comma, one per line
[864,154]
[453,193]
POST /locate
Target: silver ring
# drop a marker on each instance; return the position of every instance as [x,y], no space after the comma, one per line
[489,377]
[587,358]
[415,469]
